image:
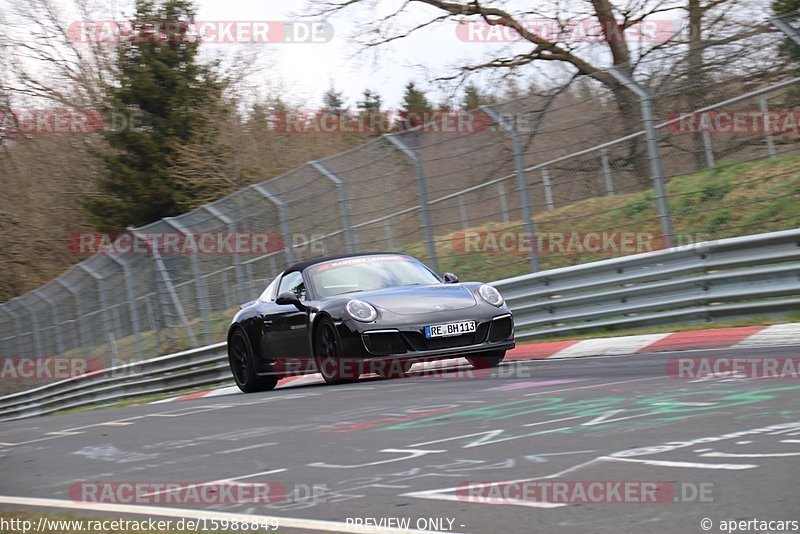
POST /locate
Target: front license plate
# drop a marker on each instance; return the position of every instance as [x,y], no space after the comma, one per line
[450,329]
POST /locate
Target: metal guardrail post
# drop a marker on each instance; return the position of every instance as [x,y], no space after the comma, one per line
[130,295]
[387,229]
[17,328]
[548,190]
[102,297]
[54,319]
[792,33]
[653,152]
[230,224]
[162,272]
[786,28]
[609,180]
[462,210]
[709,149]
[522,182]
[82,340]
[284,218]
[762,105]
[344,203]
[36,331]
[203,303]
[422,192]
[501,197]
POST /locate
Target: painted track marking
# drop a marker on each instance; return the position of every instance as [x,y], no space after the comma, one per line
[190,513]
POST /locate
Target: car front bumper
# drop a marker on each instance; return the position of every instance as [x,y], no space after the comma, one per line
[409,343]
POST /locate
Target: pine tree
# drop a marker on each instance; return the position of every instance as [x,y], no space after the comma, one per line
[372,102]
[164,94]
[332,101]
[370,114]
[472,97]
[416,108]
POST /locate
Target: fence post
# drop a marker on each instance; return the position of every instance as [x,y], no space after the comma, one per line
[786,28]
[653,152]
[709,149]
[501,195]
[522,182]
[387,229]
[607,172]
[162,272]
[462,210]
[54,319]
[792,33]
[762,105]
[203,303]
[284,218]
[126,273]
[422,193]
[237,262]
[78,309]
[102,297]
[17,329]
[344,203]
[548,190]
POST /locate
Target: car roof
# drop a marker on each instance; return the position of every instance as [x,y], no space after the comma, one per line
[301,266]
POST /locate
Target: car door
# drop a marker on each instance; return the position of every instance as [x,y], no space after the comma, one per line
[288,333]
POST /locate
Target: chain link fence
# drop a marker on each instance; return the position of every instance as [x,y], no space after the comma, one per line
[666,151]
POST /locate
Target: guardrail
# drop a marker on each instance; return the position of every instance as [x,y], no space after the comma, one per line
[738,276]
[173,372]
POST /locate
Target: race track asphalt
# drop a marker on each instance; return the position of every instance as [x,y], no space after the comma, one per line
[426,449]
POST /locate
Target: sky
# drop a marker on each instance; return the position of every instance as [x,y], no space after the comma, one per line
[301,72]
[307,70]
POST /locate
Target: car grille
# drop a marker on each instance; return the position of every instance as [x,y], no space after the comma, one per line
[418,341]
[384,343]
[391,343]
[501,329]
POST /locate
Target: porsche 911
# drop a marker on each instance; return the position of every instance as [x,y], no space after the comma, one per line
[348,315]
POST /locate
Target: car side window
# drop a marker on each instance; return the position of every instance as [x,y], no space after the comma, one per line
[294,282]
[268,295]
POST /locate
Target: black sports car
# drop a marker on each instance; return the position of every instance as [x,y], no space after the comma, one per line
[348,315]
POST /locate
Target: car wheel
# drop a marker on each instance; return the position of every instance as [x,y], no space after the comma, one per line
[333,368]
[240,358]
[392,368]
[487,359]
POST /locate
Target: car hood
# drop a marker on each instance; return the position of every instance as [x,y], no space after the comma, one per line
[419,299]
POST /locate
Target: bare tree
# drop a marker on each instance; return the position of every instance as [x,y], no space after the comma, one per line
[712,39]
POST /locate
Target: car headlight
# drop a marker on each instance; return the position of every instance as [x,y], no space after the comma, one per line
[361,311]
[491,295]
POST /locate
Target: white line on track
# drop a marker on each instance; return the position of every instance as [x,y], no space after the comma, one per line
[193,513]
[240,449]
[213,482]
[670,463]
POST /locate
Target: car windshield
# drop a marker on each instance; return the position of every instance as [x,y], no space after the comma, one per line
[351,275]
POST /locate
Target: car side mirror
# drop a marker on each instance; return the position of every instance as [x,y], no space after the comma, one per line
[287,298]
[450,278]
